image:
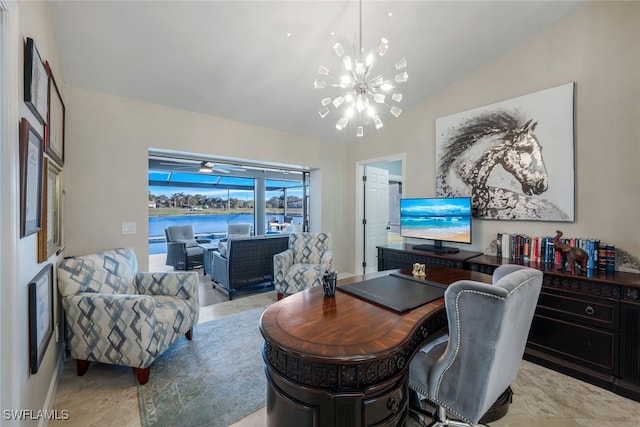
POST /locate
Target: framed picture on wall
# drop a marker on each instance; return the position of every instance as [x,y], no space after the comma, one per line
[40,316]
[514,157]
[36,81]
[49,236]
[54,133]
[30,179]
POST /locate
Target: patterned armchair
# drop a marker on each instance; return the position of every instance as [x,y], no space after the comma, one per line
[118,316]
[302,265]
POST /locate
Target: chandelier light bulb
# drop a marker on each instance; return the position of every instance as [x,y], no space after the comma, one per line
[382,47]
[401,64]
[349,113]
[341,123]
[347,63]
[395,111]
[319,84]
[379,98]
[402,77]
[377,122]
[323,70]
[386,87]
[397,97]
[359,131]
[338,49]
[369,60]
[338,101]
[326,101]
[323,113]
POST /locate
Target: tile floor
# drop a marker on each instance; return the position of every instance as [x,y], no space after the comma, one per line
[107,395]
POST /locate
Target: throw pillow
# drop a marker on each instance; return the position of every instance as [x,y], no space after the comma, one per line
[189,243]
[222,248]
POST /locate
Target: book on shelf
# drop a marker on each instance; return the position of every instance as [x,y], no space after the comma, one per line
[525,248]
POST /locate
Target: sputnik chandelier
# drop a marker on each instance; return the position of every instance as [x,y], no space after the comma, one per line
[363,94]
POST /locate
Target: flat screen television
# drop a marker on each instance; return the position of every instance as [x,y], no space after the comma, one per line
[441,219]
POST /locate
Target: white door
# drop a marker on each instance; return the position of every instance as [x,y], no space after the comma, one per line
[376,215]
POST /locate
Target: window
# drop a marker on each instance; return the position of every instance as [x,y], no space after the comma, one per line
[182,191]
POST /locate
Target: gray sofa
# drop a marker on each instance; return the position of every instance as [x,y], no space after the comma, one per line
[246,263]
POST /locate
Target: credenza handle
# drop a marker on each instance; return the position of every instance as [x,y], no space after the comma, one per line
[589,310]
[393,405]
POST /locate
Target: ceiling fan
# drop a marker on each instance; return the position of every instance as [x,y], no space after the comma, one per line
[209,167]
[199,166]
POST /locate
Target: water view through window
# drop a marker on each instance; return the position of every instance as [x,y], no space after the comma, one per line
[210,203]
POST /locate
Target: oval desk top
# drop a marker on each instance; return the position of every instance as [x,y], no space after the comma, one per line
[341,328]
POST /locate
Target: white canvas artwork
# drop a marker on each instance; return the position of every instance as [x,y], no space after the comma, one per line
[514,158]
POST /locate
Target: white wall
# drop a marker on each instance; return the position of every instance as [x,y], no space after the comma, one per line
[107,144]
[596,47]
[20,389]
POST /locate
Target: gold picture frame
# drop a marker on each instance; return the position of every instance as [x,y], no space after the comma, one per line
[54,134]
[50,234]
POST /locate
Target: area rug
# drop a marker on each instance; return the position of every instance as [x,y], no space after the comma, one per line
[213,380]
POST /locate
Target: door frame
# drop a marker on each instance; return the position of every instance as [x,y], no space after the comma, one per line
[359,211]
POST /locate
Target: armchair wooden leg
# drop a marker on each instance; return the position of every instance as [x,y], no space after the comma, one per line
[279,296]
[81,367]
[143,374]
[189,334]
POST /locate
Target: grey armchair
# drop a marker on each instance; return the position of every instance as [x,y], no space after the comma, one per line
[183,252]
[488,328]
[238,230]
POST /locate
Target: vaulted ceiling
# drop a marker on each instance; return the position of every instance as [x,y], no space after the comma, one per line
[256,61]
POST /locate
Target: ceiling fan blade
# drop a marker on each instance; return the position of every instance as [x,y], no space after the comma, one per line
[217,169]
[228,167]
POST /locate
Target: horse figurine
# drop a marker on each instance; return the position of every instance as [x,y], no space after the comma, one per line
[493,139]
[570,254]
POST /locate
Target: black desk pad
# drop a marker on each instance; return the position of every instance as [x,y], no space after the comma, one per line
[399,293]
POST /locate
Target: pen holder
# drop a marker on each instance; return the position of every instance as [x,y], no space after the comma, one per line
[329,280]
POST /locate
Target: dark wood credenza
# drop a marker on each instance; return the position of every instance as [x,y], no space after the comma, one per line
[586,326]
[401,256]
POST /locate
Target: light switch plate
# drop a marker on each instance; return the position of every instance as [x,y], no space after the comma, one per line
[128,228]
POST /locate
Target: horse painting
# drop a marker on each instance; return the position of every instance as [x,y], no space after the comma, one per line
[497,141]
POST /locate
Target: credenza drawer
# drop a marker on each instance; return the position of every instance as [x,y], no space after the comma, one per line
[583,344]
[601,312]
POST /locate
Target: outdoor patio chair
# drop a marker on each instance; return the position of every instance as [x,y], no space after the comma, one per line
[183,252]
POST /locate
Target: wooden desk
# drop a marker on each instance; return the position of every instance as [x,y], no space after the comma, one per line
[342,361]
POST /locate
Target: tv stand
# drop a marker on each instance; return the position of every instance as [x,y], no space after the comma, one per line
[439,249]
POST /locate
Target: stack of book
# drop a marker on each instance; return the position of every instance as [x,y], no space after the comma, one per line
[524,248]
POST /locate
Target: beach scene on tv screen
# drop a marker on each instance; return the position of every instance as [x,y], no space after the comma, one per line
[436,219]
